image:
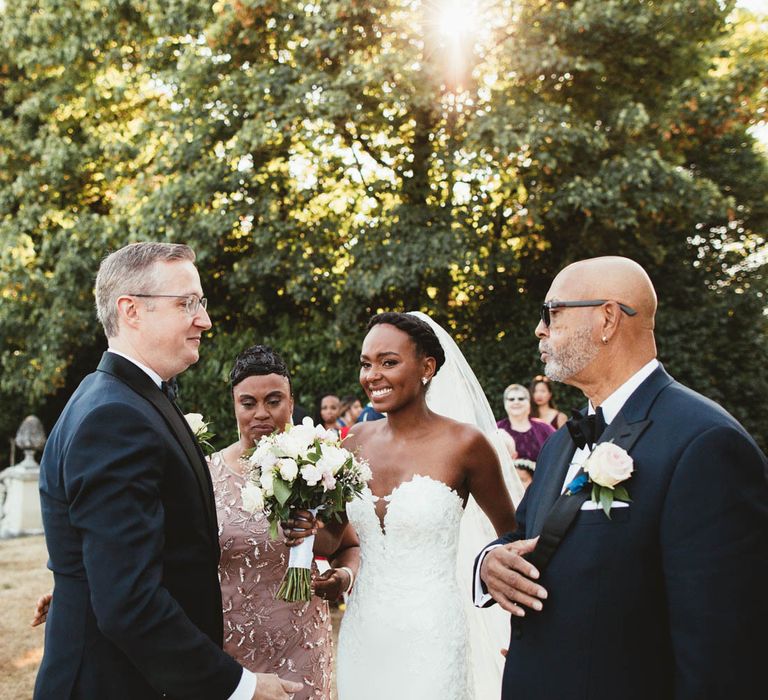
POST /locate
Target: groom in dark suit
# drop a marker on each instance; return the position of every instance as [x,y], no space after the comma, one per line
[666,598]
[128,507]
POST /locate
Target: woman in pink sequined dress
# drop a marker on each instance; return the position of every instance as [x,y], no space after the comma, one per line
[263,634]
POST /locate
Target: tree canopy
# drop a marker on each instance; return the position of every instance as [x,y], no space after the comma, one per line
[327,160]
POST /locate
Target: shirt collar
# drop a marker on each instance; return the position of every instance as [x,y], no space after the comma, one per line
[615,402]
[154,376]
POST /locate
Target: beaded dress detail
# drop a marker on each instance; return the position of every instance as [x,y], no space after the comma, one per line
[263,634]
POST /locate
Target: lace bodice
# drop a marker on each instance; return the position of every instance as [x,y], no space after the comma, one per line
[405,617]
[419,538]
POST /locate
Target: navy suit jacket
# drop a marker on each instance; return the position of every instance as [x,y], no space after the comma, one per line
[130,525]
[667,598]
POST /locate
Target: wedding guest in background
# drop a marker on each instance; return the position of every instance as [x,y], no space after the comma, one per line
[666,597]
[128,510]
[369,413]
[529,435]
[543,406]
[525,469]
[328,412]
[349,410]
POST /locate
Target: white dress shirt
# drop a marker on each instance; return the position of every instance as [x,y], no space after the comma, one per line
[247,685]
[611,407]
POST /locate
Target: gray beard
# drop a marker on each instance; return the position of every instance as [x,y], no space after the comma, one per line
[573,358]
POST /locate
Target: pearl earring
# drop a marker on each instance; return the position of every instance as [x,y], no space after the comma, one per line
[424,381]
[605,340]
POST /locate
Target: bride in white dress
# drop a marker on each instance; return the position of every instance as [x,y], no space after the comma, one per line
[405,634]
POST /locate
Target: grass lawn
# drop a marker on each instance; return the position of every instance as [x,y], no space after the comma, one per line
[23,579]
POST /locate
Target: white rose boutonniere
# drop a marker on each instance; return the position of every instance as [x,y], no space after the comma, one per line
[607,467]
[200,429]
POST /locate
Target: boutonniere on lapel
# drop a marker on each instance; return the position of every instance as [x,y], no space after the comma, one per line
[607,466]
[200,429]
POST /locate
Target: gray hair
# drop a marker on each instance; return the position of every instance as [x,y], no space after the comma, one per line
[517,387]
[131,270]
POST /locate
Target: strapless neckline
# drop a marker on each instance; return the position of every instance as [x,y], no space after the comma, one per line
[408,483]
[405,616]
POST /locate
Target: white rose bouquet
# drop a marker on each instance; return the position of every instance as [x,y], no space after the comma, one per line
[304,467]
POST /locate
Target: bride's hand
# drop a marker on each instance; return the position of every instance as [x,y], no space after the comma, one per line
[331,584]
[301,525]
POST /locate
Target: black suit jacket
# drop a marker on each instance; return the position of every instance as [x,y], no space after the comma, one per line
[130,526]
[667,598]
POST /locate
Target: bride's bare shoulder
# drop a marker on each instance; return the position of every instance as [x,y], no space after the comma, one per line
[360,433]
[462,434]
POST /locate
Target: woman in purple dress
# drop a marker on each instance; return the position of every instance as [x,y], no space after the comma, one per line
[529,435]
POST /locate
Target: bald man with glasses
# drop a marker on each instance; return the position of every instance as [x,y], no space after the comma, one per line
[650,583]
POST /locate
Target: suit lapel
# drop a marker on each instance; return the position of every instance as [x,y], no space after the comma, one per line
[625,430]
[142,384]
[552,485]
[623,433]
[633,418]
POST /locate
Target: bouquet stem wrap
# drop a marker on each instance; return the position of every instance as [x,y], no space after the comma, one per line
[297,582]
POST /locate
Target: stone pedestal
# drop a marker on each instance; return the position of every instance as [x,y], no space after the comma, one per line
[21,510]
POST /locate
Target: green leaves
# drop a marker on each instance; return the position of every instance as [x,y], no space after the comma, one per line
[282,491]
[325,164]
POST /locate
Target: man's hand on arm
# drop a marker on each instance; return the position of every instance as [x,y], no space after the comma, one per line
[510,578]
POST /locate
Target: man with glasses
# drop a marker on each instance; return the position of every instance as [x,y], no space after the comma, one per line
[656,589]
[128,508]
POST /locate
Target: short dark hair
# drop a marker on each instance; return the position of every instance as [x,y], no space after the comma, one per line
[422,335]
[346,402]
[258,360]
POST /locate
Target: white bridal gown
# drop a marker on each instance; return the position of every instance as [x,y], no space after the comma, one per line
[410,631]
[404,633]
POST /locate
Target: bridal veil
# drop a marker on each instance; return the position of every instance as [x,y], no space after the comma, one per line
[455,392]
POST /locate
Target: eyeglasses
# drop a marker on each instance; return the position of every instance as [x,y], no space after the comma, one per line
[547,307]
[515,398]
[192,302]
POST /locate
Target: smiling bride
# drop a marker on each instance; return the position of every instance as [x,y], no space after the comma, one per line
[405,632]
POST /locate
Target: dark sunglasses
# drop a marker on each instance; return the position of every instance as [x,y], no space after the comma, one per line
[547,306]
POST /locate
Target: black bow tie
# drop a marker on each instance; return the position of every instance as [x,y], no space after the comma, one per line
[170,389]
[586,430]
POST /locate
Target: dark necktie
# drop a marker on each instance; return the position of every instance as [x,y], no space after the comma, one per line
[169,389]
[586,430]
